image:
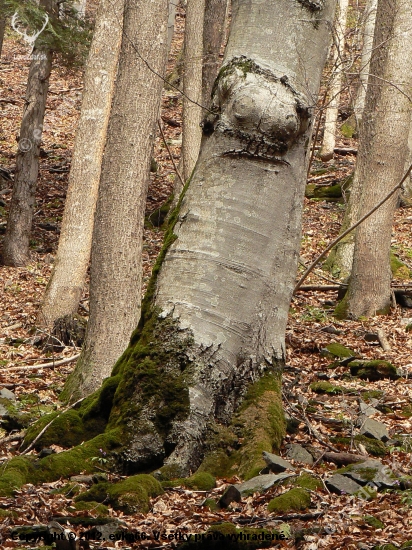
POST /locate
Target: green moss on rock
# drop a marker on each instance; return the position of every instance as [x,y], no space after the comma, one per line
[331,192]
[294,500]
[307,481]
[324,386]
[398,268]
[339,351]
[130,495]
[94,506]
[201,481]
[373,446]
[373,370]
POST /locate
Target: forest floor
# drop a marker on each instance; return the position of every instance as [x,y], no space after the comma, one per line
[325,419]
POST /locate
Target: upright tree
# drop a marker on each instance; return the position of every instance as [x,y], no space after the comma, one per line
[65,286]
[17,237]
[192,85]
[331,117]
[213,35]
[116,258]
[381,157]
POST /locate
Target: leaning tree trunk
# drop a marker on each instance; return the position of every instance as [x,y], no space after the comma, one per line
[192,85]
[65,286]
[381,157]
[2,30]
[331,118]
[19,222]
[215,313]
[116,261]
[213,35]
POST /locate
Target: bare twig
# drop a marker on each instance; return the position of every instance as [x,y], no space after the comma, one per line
[44,365]
[351,228]
[170,154]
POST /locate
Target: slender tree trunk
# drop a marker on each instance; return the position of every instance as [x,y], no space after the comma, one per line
[192,85]
[381,157]
[2,30]
[115,286]
[17,237]
[171,22]
[213,35]
[329,137]
[369,27]
[65,287]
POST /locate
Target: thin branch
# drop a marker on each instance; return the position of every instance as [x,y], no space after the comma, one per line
[343,235]
[170,154]
[49,424]
[44,365]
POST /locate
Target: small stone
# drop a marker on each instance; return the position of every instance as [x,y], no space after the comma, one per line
[46,452]
[372,471]
[276,463]
[341,484]
[366,409]
[259,484]
[299,453]
[87,479]
[232,494]
[7,394]
[375,430]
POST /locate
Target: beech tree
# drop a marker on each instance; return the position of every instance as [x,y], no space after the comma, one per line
[211,335]
[381,158]
[65,287]
[116,256]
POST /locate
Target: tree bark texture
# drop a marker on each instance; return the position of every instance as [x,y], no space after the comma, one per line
[213,36]
[381,156]
[214,317]
[65,286]
[192,85]
[19,222]
[2,30]
[329,137]
[115,285]
[368,31]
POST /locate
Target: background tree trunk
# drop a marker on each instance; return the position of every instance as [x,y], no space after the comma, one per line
[192,85]
[115,285]
[65,286]
[19,222]
[368,32]
[381,157]
[213,36]
[171,22]
[329,137]
[2,30]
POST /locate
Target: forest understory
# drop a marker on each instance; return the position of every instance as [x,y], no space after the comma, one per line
[325,393]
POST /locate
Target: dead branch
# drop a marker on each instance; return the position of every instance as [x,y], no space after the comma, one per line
[44,365]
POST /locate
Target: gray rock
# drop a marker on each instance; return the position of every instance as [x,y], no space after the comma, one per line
[276,463]
[82,478]
[342,484]
[366,409]
[3,410]
[231,494]
[375,430]
[7,394]
[259,484]
[299,453]
[372,471]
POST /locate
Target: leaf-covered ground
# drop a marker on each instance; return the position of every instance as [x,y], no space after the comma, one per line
[334,522]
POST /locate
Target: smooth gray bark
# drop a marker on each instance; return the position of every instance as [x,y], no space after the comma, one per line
[228,278]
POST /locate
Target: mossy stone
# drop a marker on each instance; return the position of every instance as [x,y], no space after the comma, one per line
[324,386]
[373,446]
[339,351]
[307,481]
[295,499]
[398,268]
[96,507]
[331,192]
[200,481]
[211,504]
[373,370]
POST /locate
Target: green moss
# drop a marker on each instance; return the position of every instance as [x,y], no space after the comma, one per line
[398,268]
[14,474]
[310,190]
[211,504]
[295,499]
[329,192]
[373,446]
[367,474]
[8,514]
[258,425]
[130,495]
[99,509]
[307,481]
[371,394]
[407,411]
[201,481]
[324,386]
[385,547]
[337,350]
[373,370]
[341,310]
[373,522]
